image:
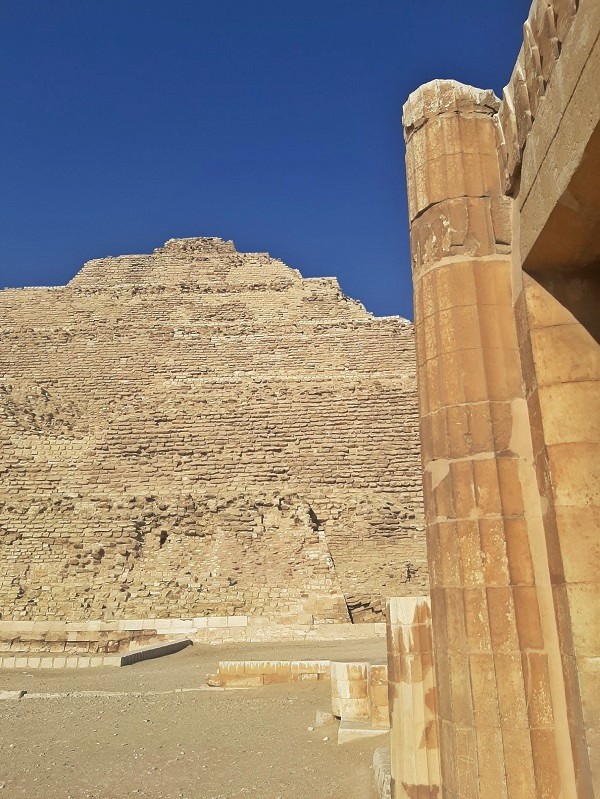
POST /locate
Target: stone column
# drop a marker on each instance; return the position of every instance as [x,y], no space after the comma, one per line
[491,663]
[411,687]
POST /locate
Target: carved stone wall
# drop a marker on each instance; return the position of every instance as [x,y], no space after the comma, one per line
[544,33]
[200,431]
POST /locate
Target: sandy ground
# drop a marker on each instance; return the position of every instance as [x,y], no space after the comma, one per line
[151,730]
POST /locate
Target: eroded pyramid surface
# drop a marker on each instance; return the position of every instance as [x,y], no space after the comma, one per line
[201,431]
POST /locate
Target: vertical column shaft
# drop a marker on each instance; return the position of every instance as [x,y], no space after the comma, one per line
[494,702]
[411,686]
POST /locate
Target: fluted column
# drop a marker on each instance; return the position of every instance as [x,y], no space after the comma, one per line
[491,664]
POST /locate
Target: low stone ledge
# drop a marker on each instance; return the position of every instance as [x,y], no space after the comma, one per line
[357,730]
[254,673]
[48,661]
[150,652]
[101,638]
[12,696]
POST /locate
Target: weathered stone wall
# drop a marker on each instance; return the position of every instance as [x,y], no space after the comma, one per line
[505,229]
[544,33]
[200,431]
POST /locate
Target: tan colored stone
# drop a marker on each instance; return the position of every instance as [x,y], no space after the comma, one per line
[200,432]
[413,706]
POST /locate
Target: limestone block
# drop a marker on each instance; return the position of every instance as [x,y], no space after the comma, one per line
[461,226]
[378,696]
[544,34]
[355,730]
[266,672]
[12,695]
[381,769]
[564,11]
[350,691]
[412,692]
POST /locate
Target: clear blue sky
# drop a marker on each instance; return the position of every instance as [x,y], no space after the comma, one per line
[270,122]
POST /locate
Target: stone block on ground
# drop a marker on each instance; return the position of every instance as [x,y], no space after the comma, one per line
[12,695]
[382,772]
[357,730]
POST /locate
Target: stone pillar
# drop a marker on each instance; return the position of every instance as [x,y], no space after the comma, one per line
[359,693]
[493,682]
[378,697]
[350,691]
[411,686]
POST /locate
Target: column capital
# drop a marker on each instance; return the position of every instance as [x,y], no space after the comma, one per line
[440,97]
[453,166]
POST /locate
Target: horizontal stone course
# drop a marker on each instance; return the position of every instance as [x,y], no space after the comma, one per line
[84,639]
[46,661]
[254,673]
[204,433]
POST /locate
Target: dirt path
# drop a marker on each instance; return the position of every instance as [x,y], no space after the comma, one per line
[137,741]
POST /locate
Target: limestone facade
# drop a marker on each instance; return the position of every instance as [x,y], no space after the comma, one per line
[504,208]
[202,432]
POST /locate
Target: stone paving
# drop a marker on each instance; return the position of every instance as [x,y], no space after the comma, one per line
[154,730]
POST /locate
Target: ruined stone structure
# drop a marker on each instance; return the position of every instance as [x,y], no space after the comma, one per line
[504,202]
[201,432]
[414,761]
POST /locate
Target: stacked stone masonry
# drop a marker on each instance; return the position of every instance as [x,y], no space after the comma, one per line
[504,205]
[204,432]
[359,693]
[544,33]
